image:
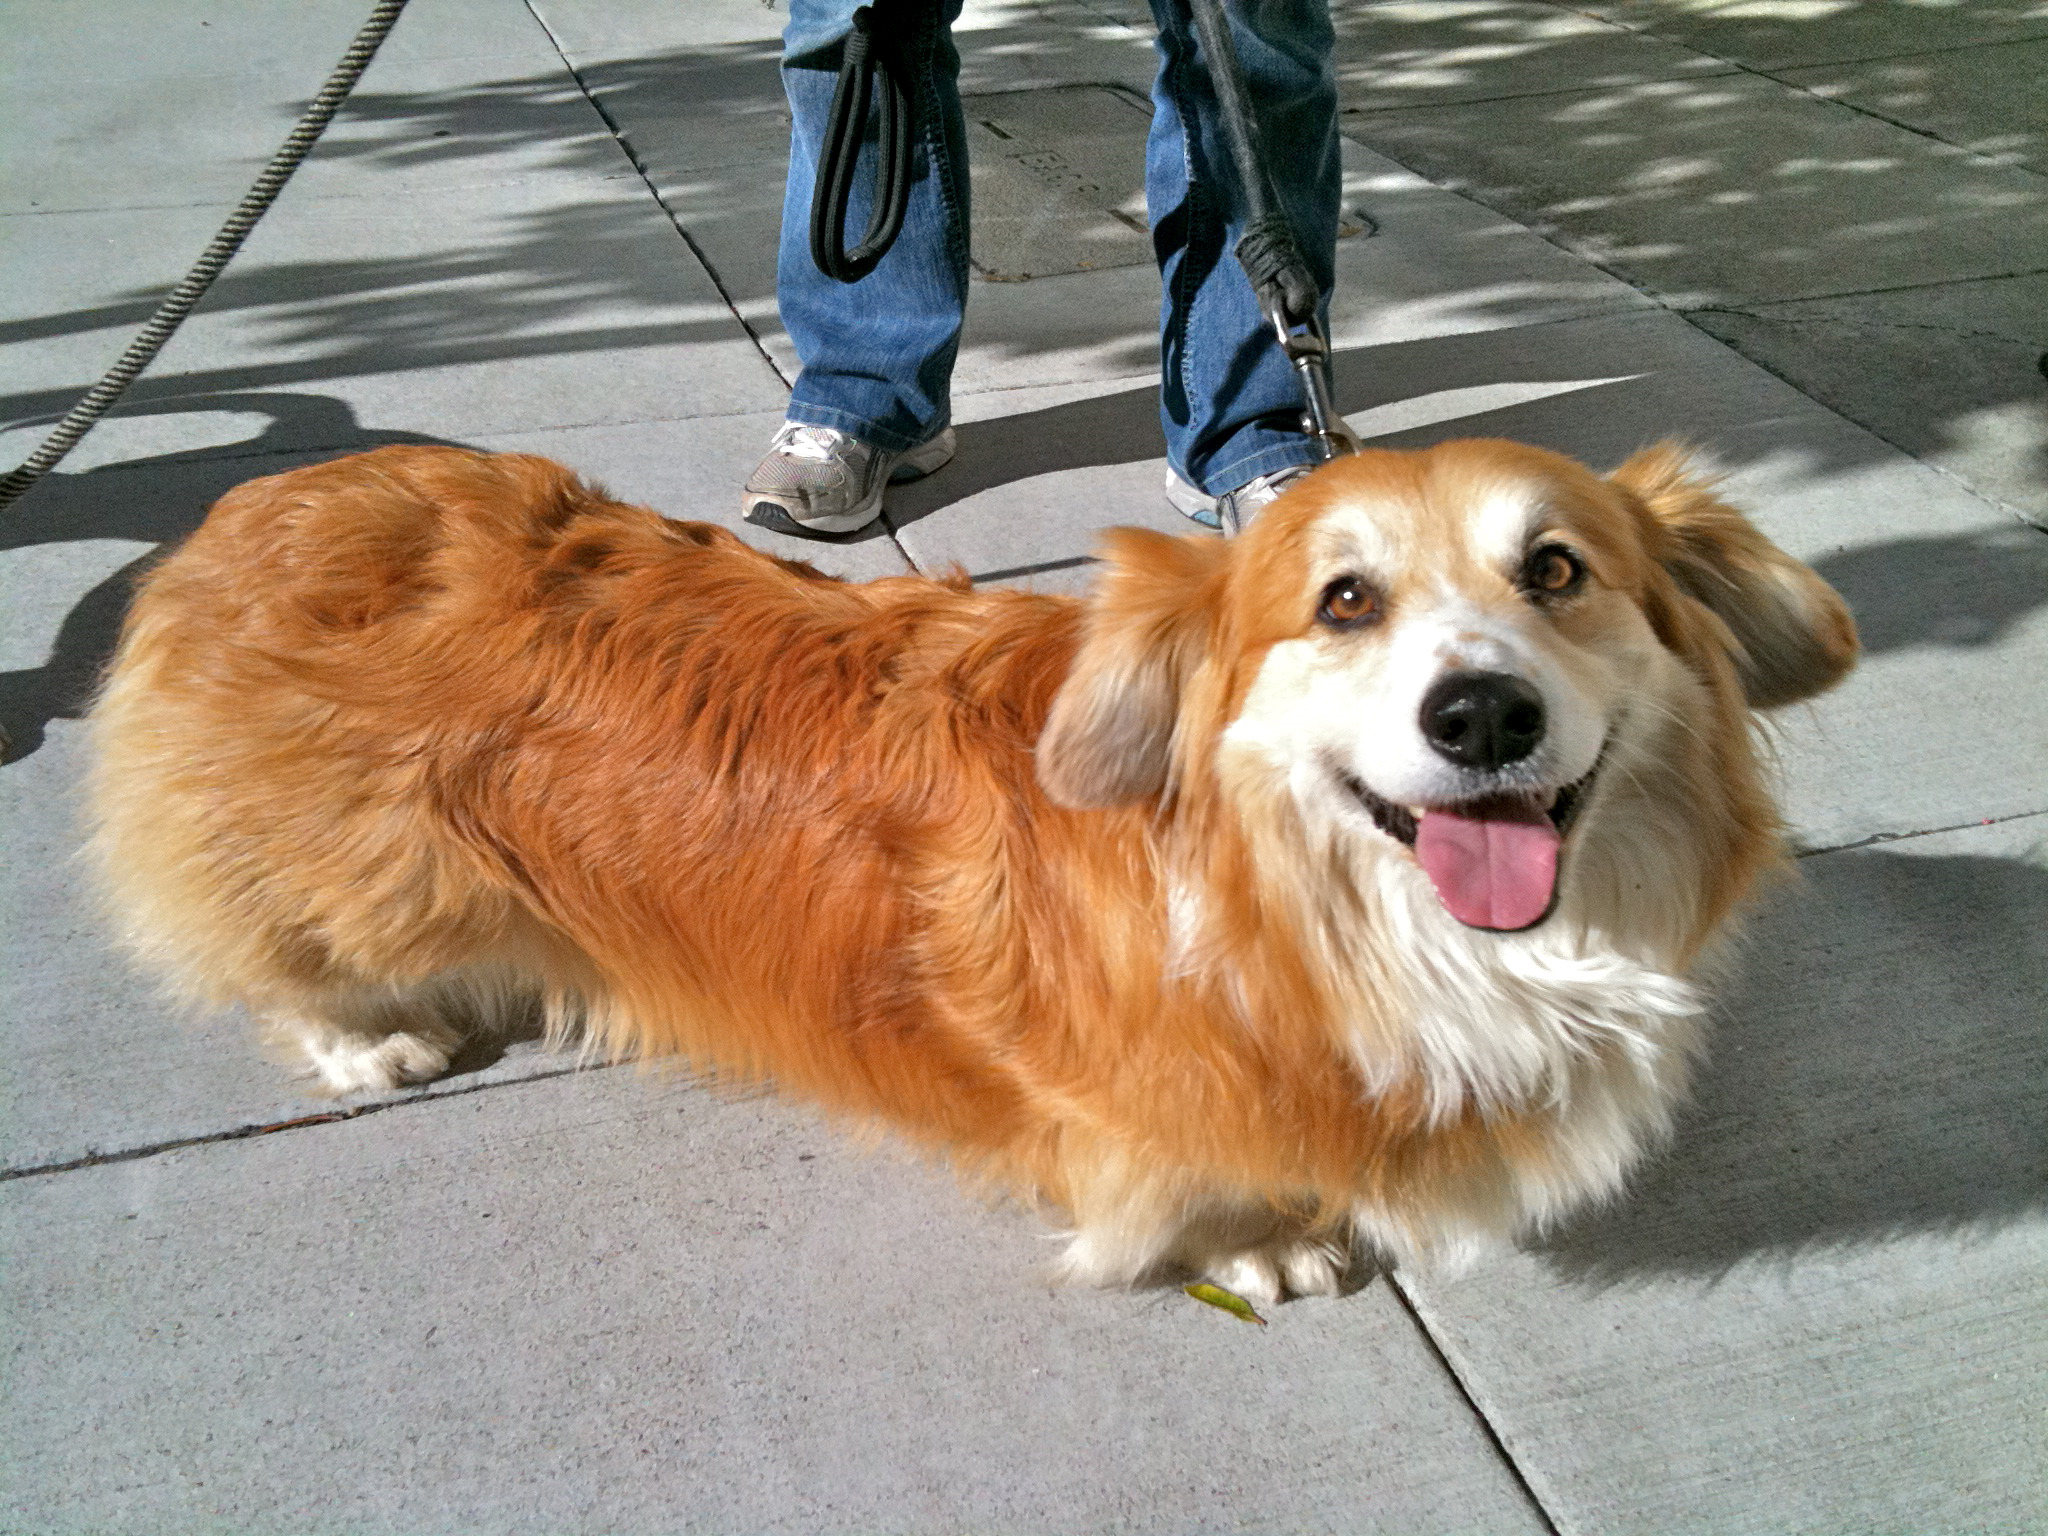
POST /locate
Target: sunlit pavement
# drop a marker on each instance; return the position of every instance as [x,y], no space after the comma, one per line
[1812,238]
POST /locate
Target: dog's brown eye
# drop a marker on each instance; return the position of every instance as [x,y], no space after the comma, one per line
[1552,571]
[1347,601]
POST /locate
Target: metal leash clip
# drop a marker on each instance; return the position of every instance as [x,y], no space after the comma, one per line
[1307,347]
[1272,260]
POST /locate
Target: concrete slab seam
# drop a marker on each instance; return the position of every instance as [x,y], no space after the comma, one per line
[618,133]
[1142,377]
[1493,1436]
[1753,311]
[1644,30]
[640,169]
[1043,567]
[1915,53]
[1893,122]
[1555,238]
[1650,78]
[1961,333]
[2018,514]
[356,1112]
[296,1123]
[1550,236]
[1877,838]
[1737,67]
[222,203]
[1109,19]
[227,453]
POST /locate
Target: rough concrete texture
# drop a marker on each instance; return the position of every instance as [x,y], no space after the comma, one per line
[1988,101]
[1731,188]
[617,1303]
[536,1299]
[1433,262]
[1782,34]
[1860,210]
[1408,53]
[1840,1254]
[1056,187]
[1953,373]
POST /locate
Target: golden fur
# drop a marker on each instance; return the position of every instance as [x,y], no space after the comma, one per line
[399,742]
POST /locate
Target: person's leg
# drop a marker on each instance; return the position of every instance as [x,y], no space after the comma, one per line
[1228,399]
[877,354]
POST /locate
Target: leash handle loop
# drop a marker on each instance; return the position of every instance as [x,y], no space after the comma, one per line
[865,56]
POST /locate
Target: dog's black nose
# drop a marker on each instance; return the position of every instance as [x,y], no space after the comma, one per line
[1482,719]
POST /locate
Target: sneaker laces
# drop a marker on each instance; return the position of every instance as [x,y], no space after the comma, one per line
[801,440]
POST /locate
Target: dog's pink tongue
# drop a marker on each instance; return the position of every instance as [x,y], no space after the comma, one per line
[1496,870]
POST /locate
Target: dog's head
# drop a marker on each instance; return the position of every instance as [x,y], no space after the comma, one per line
[1466,656]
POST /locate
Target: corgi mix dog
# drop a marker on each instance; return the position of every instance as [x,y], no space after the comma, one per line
[1339,884]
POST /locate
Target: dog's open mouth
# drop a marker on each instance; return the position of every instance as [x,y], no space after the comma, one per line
[1492,860]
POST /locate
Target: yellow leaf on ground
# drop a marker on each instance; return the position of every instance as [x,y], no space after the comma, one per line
[1229,1301]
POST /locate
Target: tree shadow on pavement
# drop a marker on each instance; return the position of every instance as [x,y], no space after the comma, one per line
[1942,590]
[1640,131]
[1874,1074]
[1589,392]
[155,500]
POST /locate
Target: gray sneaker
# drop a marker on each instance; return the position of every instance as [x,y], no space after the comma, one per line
[819,480]
[1233,511]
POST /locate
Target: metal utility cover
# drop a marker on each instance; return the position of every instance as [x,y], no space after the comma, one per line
[1059,180]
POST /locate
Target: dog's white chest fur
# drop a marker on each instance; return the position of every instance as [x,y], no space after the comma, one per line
[1580,1037]
[1584,1046]
[1504,1022]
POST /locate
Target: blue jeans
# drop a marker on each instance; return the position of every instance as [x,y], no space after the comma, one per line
[878,354]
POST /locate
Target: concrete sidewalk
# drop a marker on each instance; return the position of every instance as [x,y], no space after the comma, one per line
[1812,238]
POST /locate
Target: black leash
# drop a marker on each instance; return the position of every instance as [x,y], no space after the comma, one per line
[172,312]
[877,45]
[1267,250]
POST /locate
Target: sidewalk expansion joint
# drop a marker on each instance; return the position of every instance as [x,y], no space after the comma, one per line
[1500,1448]
[2021,515]
[229,453]
[1550,234]
[1837,322]
[1684,78]
[218,204]
[618,134]
[1737,66]
[296,1123]
[1877,838]
[1914,53]
[1754,307]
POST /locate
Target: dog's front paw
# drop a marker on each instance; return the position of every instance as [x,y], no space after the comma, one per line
[362,1064]
[1281,1267]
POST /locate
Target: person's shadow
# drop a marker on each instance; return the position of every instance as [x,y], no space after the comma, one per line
[1875,1071]
[155,500]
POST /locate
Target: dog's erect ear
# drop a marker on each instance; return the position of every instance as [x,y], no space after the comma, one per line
[1108,739]
[1794,637]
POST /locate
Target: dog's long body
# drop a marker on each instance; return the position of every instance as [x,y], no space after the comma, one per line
[1222,911]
